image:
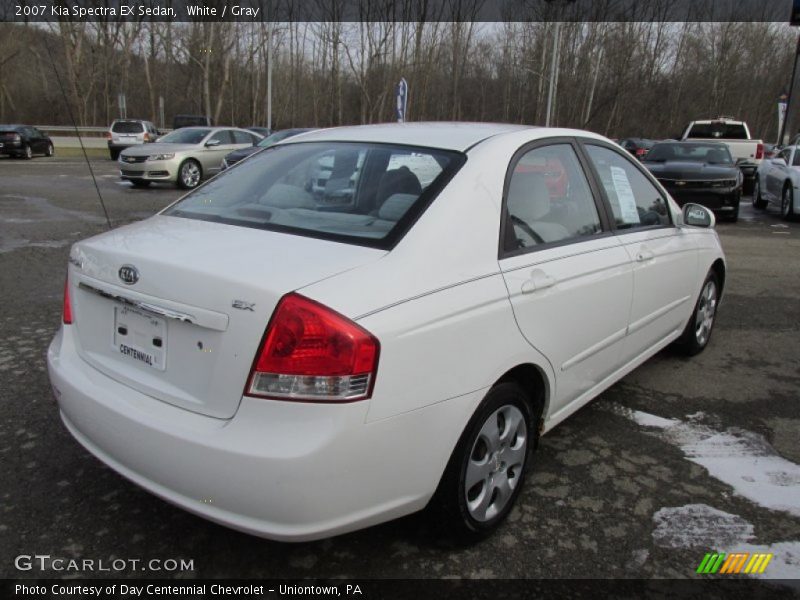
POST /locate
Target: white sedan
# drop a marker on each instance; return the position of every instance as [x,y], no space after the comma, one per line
[778,182]
[298,363]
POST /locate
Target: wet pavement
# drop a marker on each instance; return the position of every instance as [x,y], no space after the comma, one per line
[680,458]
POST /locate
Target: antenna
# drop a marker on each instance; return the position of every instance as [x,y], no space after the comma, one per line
[77,133]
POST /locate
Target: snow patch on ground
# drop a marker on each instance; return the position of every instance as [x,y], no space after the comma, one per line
[742,459]
[699,525]
[711,530]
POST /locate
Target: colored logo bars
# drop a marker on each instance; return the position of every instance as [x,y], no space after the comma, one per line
[740,562]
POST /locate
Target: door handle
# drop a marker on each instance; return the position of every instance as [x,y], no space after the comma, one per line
[644,255]
[539,280]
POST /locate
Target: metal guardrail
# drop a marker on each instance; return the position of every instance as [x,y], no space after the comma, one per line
[71,129]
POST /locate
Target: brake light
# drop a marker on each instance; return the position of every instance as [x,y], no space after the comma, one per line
[108,135]
[759,151]
[310,352]
[66,313]
[146,137]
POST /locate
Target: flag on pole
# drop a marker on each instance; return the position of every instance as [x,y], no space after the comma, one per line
[402,100]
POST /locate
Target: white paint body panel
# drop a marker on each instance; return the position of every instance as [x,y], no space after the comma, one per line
[450,316]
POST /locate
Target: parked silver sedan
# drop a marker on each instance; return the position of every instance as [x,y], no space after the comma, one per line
[185,156]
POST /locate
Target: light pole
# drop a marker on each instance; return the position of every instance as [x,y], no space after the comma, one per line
[554,64]
[269,65]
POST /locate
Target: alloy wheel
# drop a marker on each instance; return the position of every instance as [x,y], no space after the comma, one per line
[495,464]
[190,174]
[706,311]
[786,202]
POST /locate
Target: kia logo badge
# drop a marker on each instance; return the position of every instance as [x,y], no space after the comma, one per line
[128,274]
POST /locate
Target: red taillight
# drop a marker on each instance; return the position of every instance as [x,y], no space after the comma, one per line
[146,137]
[108,135]
[759,151]
[641,152]
[311,352]
[66,313]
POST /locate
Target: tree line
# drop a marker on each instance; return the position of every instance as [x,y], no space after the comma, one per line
[619,79]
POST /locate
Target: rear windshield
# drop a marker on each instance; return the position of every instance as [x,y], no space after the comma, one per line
[187,135]
[712,154]
[724,131]
[127,127]
[367,194]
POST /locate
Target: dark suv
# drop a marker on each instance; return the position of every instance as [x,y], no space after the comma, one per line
[24,140]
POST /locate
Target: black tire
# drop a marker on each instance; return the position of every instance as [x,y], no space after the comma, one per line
[184,180]
[691,342]
[787,203]
[734,216]
[49,151]
[27,152]
[140,183]
[758,201]
[450,513]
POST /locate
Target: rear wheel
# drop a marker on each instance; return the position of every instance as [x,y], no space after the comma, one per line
[697,333]
[787,203]
[49,151]
[140,183]
[758,201]
[487,469]
[189,174]
[27,152]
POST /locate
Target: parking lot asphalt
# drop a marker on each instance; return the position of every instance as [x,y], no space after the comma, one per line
[680,458]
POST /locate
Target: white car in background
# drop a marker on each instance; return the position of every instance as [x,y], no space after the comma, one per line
[778,182]
[184,157]
[296,367]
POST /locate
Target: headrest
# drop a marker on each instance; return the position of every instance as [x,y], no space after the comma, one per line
[396,206]
[282,195]
[528,197]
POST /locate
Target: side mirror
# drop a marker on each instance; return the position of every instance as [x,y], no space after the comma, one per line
[212,143]
[695,215]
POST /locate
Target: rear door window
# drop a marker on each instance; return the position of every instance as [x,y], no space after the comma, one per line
[240,137]
[548,200]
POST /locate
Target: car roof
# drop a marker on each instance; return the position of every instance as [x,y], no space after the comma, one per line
[459,136]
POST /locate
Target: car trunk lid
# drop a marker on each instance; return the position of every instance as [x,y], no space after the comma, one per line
[176,308]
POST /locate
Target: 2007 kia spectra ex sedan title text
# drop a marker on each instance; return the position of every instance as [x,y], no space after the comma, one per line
[362,322]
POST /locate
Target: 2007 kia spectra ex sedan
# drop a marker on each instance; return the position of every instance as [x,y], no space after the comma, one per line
[296,360]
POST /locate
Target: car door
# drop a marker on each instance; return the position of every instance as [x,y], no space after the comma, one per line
[39,140]
[32,139]
[778,173]
[217,145]
[663,256]
[568,277]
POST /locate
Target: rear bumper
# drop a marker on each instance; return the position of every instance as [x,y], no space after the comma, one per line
[288,471]
[12,148]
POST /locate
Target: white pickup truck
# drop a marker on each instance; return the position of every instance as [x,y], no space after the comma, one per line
[747,152]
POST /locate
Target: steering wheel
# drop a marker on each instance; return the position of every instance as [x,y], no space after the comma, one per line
[527,229]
